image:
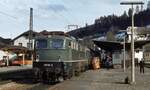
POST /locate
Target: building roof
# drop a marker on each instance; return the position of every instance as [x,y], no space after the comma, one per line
[113,45]
[109,45]
[4,42]
[16,49]
[45,32]
[143,30]
[26,34]
[2,45]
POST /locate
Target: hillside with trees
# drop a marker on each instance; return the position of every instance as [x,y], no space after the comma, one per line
[113,22]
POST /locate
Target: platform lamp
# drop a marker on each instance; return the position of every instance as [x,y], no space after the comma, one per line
[132,3]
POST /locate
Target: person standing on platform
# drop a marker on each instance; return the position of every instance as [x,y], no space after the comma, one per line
[141,66]
[108,59]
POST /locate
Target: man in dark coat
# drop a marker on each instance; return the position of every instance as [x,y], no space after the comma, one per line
[141,66]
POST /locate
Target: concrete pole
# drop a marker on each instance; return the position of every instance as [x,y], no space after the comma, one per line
[32,58]
[124,54]
[31,29]
[132,50]
[23,58]
[132,38]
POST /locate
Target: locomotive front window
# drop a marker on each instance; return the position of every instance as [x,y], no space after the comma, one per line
[41,43]
[57,43]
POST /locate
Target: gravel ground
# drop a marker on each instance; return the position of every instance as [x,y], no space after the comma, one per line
[102,79]
[106,80]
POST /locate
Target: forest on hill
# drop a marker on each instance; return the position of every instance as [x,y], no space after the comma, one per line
[113,22]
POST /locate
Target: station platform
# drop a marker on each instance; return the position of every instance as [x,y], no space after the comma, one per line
[10,69]
[103,79]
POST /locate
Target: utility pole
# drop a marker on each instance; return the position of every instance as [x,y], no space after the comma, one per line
[132,49]
[30,28]
[132,3]
[124,54]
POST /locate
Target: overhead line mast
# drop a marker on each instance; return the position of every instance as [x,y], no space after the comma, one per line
[30,28]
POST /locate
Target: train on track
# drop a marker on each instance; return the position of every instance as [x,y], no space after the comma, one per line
[59,57]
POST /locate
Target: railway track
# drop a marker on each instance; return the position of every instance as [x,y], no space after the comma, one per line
[12,85]
[23,81]
[22,84]
[17,86]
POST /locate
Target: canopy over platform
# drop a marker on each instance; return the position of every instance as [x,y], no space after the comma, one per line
[109,45]
[16,49]
[113,45]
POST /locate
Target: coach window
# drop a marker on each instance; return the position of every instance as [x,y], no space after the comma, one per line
[42,43]
[71,45]
[80,47]
[75,46]
[83,49]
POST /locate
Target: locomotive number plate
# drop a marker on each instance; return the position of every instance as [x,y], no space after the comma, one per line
[48,65]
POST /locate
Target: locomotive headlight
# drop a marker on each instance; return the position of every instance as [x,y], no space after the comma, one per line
[37,58]
[57,70]
[59,58]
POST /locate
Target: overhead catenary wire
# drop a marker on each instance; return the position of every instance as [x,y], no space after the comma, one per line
[73,16]
[62,16]
[3,13]
[6,14]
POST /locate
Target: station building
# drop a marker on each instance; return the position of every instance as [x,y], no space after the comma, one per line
[141,39]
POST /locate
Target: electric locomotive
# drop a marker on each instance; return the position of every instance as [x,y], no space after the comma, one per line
[59,57]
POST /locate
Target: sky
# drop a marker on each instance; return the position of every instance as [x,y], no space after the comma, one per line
[53,15]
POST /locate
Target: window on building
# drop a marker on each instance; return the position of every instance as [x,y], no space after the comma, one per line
[20,44]
[29,45]
[69,45]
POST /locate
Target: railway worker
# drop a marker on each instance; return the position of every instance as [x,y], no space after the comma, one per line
[141,66]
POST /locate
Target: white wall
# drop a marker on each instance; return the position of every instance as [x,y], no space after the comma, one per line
[139,55]
[10,54]
[23,40]
[2,53]
[116,58]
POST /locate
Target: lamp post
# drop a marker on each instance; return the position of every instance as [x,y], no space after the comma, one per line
[132,3]
[124,49]
[7,59]
[124,54]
